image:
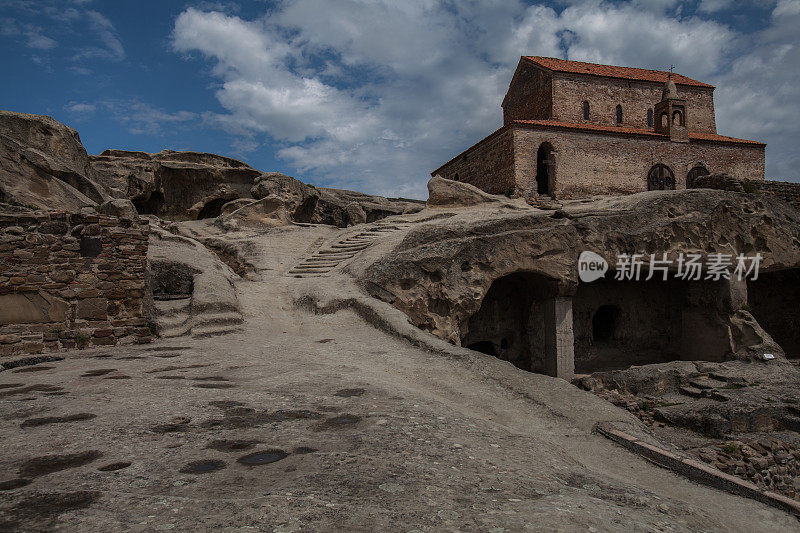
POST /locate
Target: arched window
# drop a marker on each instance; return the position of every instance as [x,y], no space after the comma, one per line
[649,118]
[664,120]
[660,178]
[676,118]
[619,114]
[455,178]
[697,171]
[586,111]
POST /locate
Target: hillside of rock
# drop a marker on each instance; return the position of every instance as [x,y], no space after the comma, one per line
[43,165]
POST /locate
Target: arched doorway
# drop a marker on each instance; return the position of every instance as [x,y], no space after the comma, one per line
[697,171]
[545,163]
[660,178]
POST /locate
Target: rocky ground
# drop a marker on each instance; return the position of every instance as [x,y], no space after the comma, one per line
[311,418]
[741,418]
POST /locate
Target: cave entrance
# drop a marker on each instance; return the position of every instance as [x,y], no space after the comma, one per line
[512,322]
[618,324]
[774,300]
[149,205]
[212,208]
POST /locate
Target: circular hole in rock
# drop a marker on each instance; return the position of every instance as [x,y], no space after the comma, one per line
[114,466]
[12,484]
[203,467]
[262,458]
[32,369]
[232,445]
[348,393]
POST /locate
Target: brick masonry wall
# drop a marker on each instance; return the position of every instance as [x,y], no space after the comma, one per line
[603,95]
[530,95]
[589,164]
[489,165]
[71,281]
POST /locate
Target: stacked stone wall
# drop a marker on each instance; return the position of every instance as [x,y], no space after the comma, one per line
[71,281]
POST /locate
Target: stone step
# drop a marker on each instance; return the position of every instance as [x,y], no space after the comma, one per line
[171,321]
[342,246]
[311,262]
[301,270]
[171,307]
[177,331]
[211,331]
[224,318]
[332,253]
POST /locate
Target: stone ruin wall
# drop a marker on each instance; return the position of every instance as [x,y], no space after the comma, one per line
[786,191]
[72,281]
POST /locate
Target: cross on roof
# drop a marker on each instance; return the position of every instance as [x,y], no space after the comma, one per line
[671,69]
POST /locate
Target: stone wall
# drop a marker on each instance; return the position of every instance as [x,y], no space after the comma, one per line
[782,189]
[71,281]
[635,97]
[787,191]
[488,165]
[589,164]
[530,95]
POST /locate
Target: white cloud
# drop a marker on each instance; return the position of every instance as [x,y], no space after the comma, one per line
[373,94]
[137,117]
[111,48]
[80,108]
[39,41]
[88,33]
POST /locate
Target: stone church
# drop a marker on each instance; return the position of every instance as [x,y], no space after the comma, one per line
[573,129]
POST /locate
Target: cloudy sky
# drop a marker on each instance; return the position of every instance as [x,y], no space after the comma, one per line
[372,94]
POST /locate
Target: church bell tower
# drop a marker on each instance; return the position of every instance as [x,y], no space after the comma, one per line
[670,114]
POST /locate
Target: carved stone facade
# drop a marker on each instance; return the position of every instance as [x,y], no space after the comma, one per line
[575,129]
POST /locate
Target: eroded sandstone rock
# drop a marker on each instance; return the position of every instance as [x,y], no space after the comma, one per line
[449,193]
[178,185]
[44,165]
[442,270]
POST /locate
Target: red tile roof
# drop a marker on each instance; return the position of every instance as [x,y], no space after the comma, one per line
[628,73]
[601,128]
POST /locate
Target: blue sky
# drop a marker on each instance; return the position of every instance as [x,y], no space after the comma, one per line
[372,95]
